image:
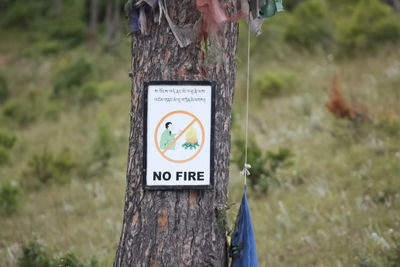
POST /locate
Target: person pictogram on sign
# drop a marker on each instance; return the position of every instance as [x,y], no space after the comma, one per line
[167,137]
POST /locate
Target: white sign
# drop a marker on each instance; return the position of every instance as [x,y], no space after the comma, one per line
[179,130]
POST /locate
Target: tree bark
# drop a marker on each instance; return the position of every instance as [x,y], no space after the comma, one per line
[113,22]
[58,6]
[395,4]
[177,228]
[94,12]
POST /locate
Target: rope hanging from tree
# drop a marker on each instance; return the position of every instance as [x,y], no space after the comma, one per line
[247,166]
[243,248]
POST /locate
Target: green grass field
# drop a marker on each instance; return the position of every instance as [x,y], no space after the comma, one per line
[338,204]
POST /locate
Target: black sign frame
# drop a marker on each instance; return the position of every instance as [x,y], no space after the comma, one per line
[212,85]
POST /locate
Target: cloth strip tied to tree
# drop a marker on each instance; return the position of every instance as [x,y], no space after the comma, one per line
[213,15]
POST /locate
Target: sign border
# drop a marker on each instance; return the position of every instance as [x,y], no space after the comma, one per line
[212,138]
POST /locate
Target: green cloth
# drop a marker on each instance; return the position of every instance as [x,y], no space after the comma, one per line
[271,8]
[166,138]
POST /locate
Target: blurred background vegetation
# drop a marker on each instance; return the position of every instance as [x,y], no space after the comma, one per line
[324,122]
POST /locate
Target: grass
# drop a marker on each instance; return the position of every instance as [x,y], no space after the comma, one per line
[327,218]
[340,195]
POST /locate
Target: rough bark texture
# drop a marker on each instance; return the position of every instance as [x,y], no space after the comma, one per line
[58,6]
[113,22]
[177,228]
[94,7]
[395,4]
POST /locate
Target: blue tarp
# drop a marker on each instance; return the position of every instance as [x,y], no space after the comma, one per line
[244,242]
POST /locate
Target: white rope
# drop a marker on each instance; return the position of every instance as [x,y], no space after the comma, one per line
[247,166]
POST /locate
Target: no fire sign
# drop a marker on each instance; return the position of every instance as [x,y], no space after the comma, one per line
[179,134]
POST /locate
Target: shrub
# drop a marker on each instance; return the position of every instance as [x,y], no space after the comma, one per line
[9,197]
[101,151]
[4,156]
[341,108]
[63,166]
[7,139]
[264,166]
[70,78]
[36,254]
[40,168]
[20,112]
[89,92]
[289,5]
[372,23]
[105,143]
[42,47]
[52,111]
[71,260]
[309,25]
[20,14]
[72,75]
[389,121]
[44,168]
[276,83]
[69,29]
[4,91]
[383,249]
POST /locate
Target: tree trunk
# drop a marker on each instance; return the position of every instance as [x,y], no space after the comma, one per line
[116,21]
[177,228]
[58,6]
[113,22]
[94,12]
[395,4]
[109,15]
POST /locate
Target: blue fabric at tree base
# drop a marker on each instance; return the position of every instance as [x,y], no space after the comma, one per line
[244,242]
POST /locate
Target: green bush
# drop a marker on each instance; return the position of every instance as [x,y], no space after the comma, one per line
[276,83]
[264,166]
[20,112]
[89,92]
[69,29]
[45,168]
[4,156]
[36,254]
[63,166]
[69,79]
[42,47]
[10,193]
[22,14]
[371,24]
[391,127]
[40,169]
[65,30]
[7,139]
[4,91]
[289,5]
[377,254]
[71,260]
[105,143]
[101,151]
[309,25]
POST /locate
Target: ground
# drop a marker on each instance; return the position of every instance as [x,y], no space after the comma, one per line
[337,205]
